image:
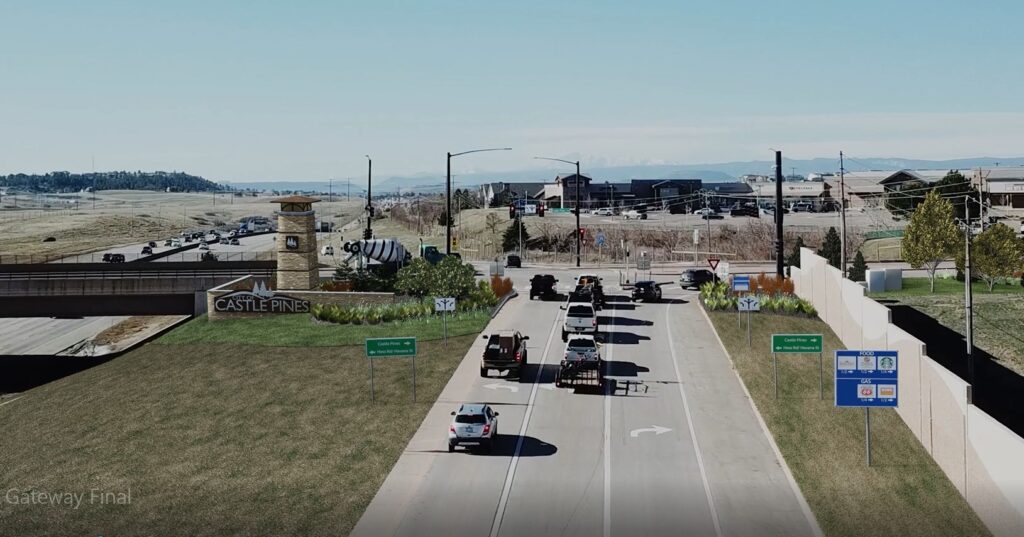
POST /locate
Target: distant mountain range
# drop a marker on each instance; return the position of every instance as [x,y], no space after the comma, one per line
[721,172]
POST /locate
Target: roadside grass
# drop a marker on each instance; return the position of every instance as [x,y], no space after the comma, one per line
[998,315]
[217,438]
[903,491]
[887,249]
[950,286]
[300,330]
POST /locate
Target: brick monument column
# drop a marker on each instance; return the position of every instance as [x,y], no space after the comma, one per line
[297,261]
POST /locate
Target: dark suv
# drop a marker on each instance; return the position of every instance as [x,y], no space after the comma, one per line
[745,210]
[505,351]
[543,286]
[647,290]
[695,278]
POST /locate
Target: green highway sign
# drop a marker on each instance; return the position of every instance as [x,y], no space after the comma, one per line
[390,346]
[796,343]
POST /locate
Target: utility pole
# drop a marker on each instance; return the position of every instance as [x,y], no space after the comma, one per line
[842,216]
[368,234]
[578,238]
[330,190]
[707,205]
[969,302]
[778,215]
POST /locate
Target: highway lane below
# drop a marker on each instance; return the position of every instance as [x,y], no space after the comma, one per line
[686,455]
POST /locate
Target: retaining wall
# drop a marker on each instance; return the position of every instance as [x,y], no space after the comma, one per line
[981,457]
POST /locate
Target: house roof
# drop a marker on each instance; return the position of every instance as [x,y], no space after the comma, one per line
[295,199]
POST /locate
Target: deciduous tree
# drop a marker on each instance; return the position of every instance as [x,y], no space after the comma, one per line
[995,254]
[931,236]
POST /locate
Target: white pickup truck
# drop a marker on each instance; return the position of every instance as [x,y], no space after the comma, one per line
[580,318]
[582,348]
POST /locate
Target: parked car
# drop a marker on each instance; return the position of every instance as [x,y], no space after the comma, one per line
[473,424]
[695,278]
[513,260]
[801,207]
[704,210]
[146,250]
[745,210]
[647,291]
[604,211]
[543,286]
[633,214]
[505,351]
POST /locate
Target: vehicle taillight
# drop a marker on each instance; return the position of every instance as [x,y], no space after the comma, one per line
[451,428]
[593,322]
[487,428]
[519,356]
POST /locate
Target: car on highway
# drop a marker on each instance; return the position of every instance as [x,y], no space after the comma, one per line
[543,286]
[647,291]
[168,243]
[582,347]
[633,214]
[505,351]
[712,216]
[745,210]
[474,423]
[152,244]
[703,211]
[234,242]
[188,238]
[176,243]
[232,233]
[695,278]
[204,246]
[113,258]
[146,250]
[604,211]
[580,318]
[513,261]
[225,240]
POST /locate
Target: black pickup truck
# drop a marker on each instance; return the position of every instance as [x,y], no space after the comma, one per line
[543,286]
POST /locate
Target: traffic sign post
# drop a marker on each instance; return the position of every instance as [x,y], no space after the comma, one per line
[713,263]
[798,344]
[866,379]
[391,347]
[740,283]
[444,305]
[748,304]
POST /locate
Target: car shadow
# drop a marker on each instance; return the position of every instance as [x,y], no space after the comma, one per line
[505,446]
[622,321]
[623,369]
[674,301]
[625,306]
[624,338]
[541,374]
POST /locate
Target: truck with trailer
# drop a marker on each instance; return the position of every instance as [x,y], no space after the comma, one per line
[582,364]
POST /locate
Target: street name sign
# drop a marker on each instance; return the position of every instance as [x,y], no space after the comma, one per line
[867,378]
[749,303]
[797,343]
[740,283]
[444,304]
[390,346]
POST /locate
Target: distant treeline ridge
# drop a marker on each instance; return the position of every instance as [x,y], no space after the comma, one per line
[75,182]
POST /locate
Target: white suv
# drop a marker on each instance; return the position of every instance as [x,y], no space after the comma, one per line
[475,423]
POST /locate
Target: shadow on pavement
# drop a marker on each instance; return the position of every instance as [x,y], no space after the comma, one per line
[623,369]
[625,306]
[541,374]
[624,338]
[505,446]
[622,321]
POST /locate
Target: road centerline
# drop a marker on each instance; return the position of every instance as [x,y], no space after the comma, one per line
[689,421]
[511,472]
[608,440]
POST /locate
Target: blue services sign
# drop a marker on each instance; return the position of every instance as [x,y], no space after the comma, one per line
[740,283]
[867,378]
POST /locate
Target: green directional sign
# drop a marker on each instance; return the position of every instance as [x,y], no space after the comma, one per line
[796,343]
[390,346]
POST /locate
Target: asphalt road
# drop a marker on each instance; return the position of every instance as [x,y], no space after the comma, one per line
[47,336]
[246,249]
[688,456]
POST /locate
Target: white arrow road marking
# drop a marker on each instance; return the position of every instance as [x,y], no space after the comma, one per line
[657,430]
[495,386]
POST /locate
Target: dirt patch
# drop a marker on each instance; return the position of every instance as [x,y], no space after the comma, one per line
[132,327]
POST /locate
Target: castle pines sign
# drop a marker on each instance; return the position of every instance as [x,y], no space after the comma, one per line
[259,300]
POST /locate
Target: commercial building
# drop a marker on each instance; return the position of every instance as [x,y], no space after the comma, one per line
[1001,187]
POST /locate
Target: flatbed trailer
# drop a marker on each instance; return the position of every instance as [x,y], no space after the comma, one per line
[576,373]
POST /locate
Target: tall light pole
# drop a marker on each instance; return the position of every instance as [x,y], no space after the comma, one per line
[577,205]
[448,194]
[368,234]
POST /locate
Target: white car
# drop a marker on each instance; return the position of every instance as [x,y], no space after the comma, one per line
[631,214]
[204,246]
[473,424]
[604,211]
[582,348]
[704,211]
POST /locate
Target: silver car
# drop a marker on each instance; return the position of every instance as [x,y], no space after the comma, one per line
[475,423]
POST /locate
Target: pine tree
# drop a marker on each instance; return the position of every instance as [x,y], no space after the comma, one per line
[831,247]
[510,240]
[794,258]
[858,269]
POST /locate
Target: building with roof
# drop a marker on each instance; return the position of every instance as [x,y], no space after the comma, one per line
[869,188]
[1001,187]
[817,193]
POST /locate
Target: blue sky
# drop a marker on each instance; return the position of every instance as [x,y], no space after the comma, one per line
[302,90]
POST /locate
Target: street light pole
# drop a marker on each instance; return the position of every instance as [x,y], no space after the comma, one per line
[577,207]
[369,198]
[448,194]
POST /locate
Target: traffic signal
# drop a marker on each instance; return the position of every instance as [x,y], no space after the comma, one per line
[511,211]
[367,234]
[540,210]
[583,232]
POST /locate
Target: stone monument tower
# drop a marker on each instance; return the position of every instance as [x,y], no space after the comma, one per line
[297,262]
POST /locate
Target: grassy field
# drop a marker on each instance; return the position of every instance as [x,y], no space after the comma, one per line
[230,438]
[299,330]
[998,315]
[904,491]
[887,249]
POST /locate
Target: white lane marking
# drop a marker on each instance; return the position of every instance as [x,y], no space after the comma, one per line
[656,429]
[689,422]
[496,386]
[11,401]
[608,444]
[510,474]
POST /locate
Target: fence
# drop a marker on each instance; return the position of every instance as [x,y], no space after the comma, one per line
[979,455]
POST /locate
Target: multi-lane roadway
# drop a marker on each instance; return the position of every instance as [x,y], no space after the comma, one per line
[684,454]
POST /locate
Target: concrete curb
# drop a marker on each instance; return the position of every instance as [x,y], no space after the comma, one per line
[808,514]
[497,309]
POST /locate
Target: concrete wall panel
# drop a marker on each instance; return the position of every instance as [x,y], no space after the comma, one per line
[948,422]
[834,300]
[851,313]
[874,323]
[995,475]
[911,395]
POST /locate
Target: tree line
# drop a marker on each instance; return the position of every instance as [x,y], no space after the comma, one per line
[118,180]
